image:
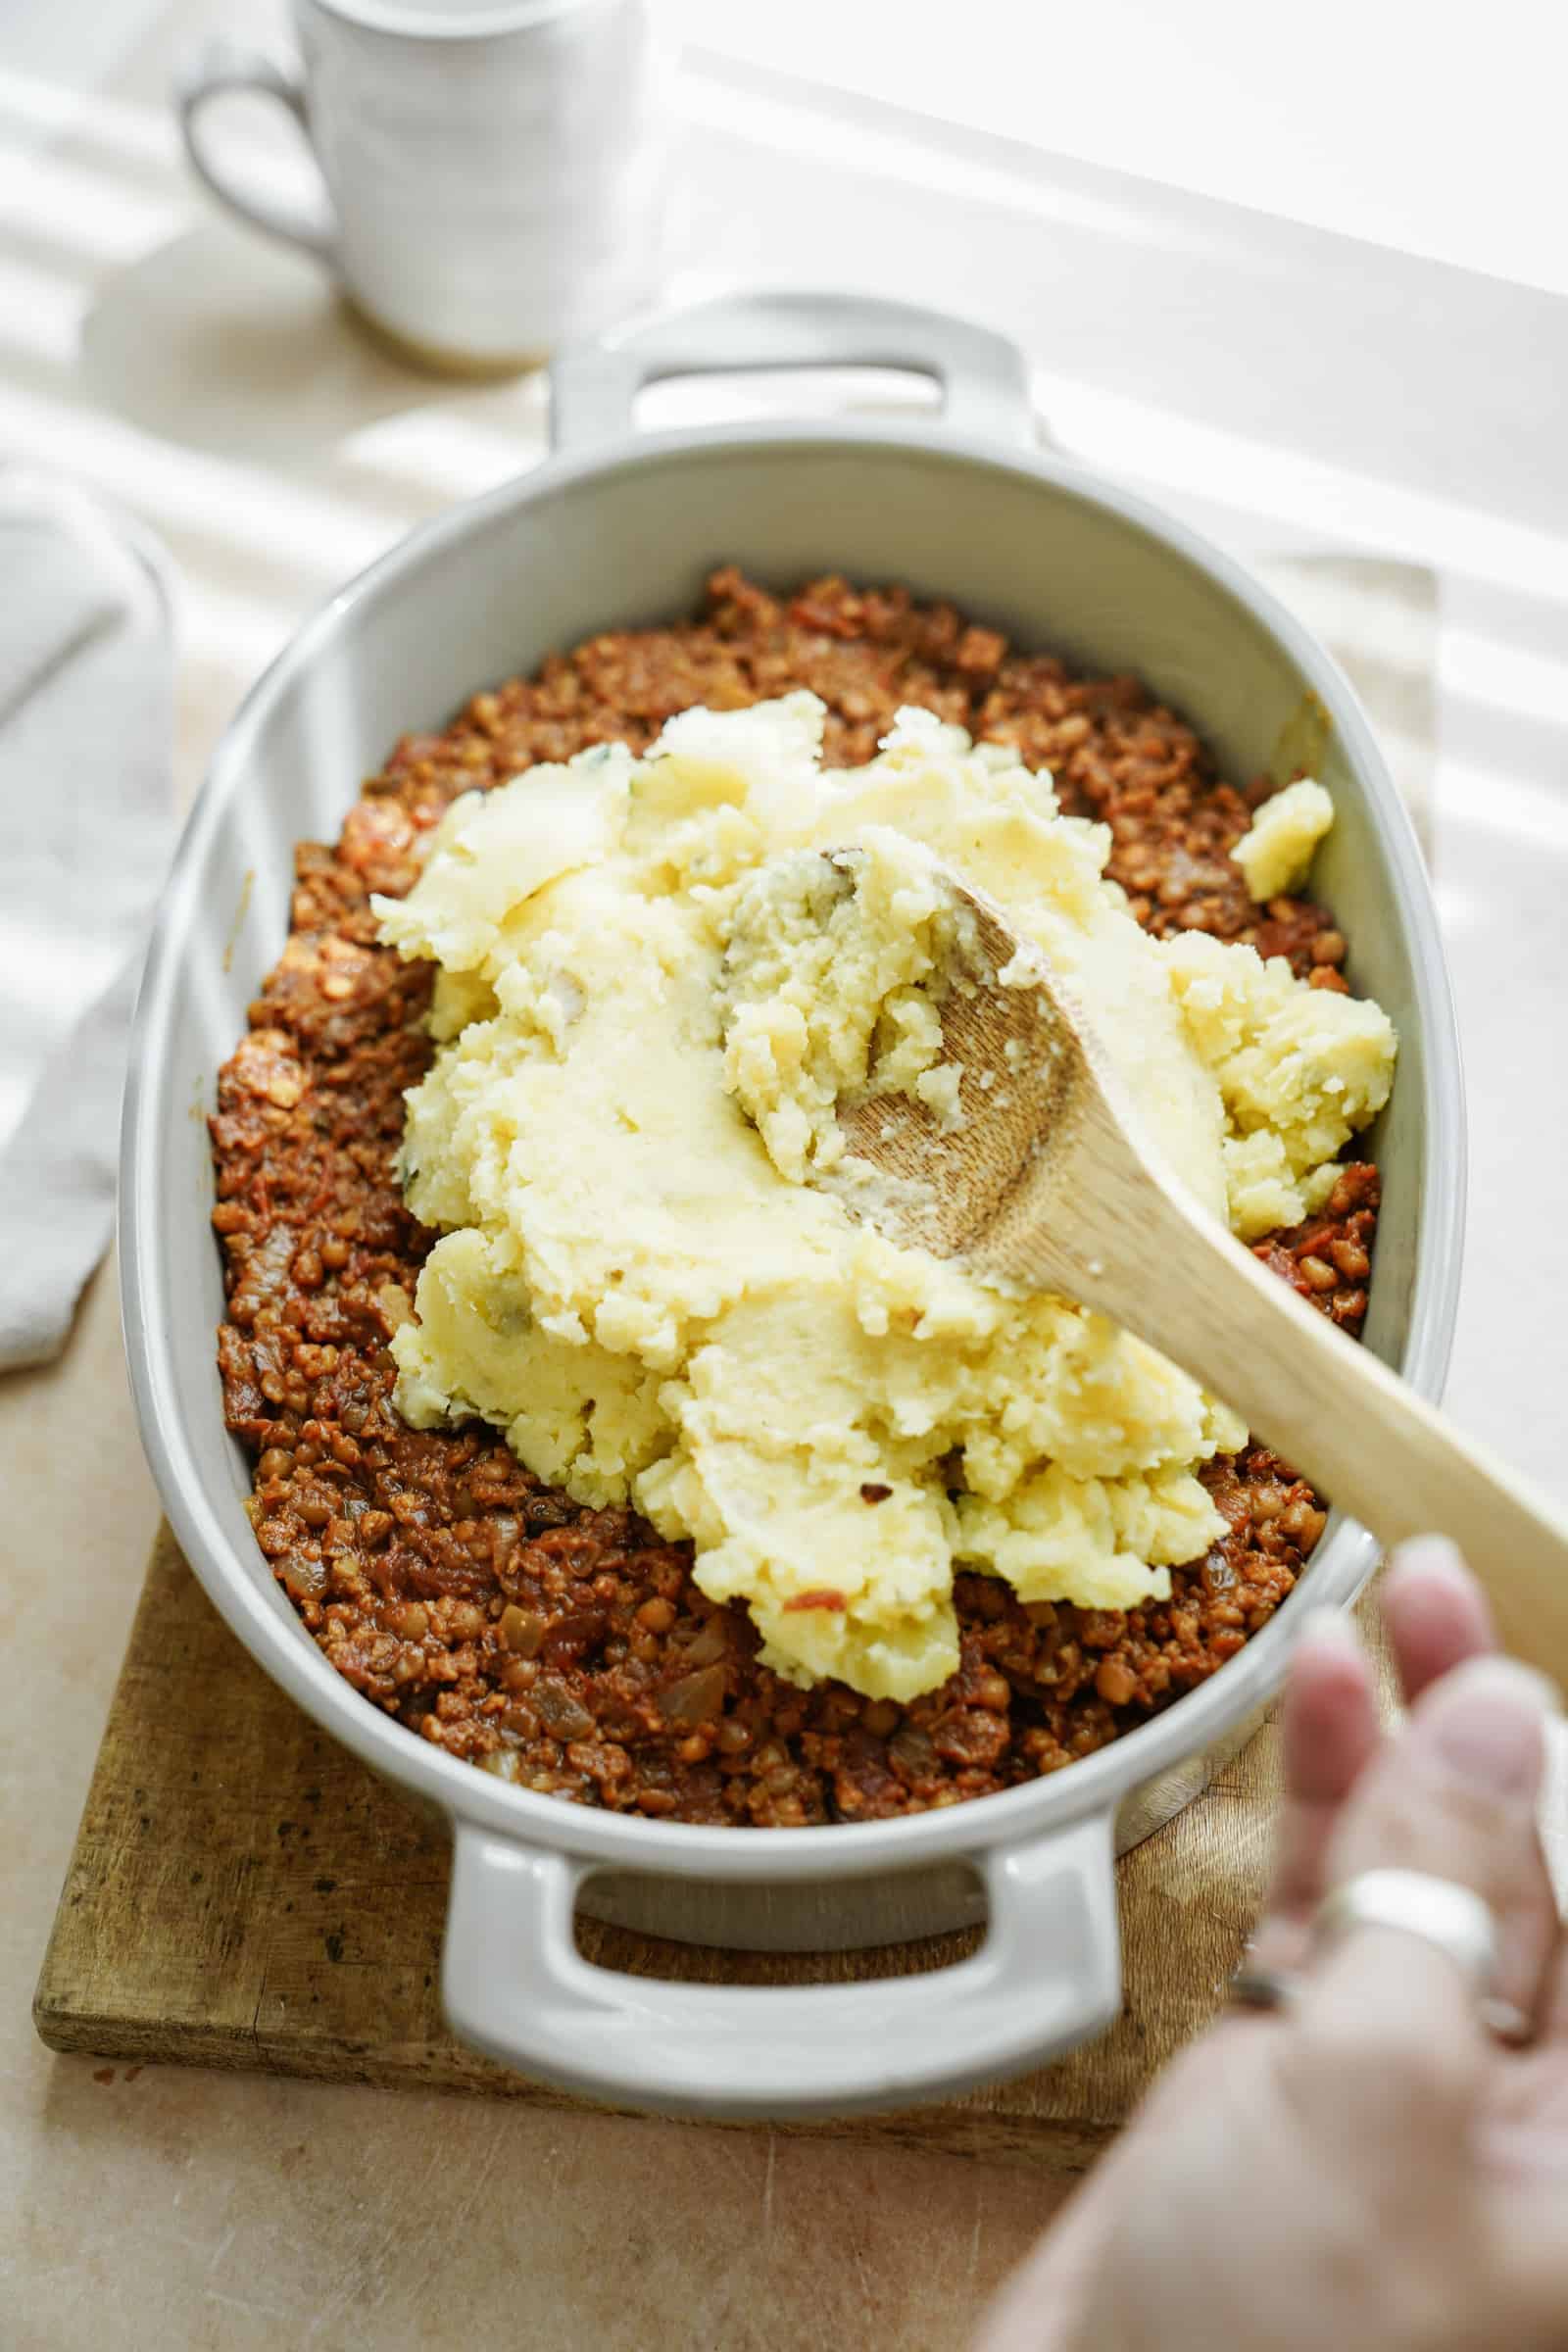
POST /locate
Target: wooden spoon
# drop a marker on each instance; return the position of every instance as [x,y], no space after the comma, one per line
[1050,1182]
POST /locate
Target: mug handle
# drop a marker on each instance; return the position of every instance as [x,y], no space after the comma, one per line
[984,378]
[221,66]
[1046,1978]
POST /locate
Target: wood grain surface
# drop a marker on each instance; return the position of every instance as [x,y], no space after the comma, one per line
[244,1894]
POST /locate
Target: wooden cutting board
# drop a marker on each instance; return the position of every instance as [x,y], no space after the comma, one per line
[243,1893]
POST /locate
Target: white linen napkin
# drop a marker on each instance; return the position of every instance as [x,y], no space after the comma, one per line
[86,716]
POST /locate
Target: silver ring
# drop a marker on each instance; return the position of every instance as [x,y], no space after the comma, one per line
[1453,1918]
[1275,1991]
[1266,1988]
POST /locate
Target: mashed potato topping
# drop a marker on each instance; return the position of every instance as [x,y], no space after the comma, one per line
[1275,853]
[1300,1070]
[653,991]
[829,990]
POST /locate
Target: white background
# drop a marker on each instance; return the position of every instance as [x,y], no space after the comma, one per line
[1418,124]
[1415,123]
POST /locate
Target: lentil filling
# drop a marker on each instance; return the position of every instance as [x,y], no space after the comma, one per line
[568,1649]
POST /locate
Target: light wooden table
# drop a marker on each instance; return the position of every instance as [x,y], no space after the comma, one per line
[209,384]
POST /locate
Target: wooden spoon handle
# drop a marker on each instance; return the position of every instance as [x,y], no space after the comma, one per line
[1333,1411]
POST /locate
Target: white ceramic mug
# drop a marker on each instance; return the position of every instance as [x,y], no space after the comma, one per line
[492,170]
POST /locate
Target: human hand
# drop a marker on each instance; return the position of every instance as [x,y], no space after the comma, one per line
[1370,2168]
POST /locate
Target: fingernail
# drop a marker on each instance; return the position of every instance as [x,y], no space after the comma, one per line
[1431,1554]
[1485,1720]
[1329,1627]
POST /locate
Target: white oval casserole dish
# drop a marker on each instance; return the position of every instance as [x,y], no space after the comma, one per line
[620,530]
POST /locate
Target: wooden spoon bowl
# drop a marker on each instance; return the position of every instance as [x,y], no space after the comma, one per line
[1050,1182]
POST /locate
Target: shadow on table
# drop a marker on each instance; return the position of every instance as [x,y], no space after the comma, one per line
[227,344]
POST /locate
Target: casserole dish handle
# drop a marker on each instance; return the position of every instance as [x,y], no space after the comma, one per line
[1046,1977]
[984,380]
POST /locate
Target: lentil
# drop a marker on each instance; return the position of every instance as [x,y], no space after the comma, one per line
[568,1650]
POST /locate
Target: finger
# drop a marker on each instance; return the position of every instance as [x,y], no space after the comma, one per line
[1454,1795]
[1436,1612]
[1329,1732]
[1437,1615]
[1044,2306]
[1553,2019]
[1329,1722]
[1041,2307]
